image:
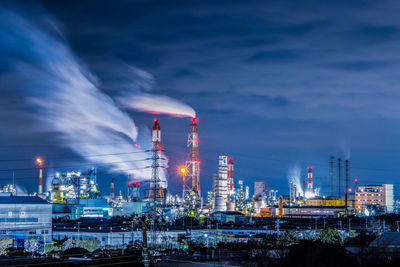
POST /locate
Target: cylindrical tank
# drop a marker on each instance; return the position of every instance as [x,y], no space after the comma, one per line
[220,204]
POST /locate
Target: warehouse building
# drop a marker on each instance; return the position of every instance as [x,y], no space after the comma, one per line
[25,222]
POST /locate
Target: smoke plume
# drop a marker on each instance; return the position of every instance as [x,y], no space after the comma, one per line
[135,96]
[157,104]
[294,175]
[40,71]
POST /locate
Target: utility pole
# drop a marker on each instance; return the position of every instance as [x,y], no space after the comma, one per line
[277,225]
[79,237]
[132,229]
[123,244]
[146,261]
[339,173]
[346,163]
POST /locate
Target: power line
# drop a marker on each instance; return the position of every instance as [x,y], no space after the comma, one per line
[81,156]
[262,157]
[74,166]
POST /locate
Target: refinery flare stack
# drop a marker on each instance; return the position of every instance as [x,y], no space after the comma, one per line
[191,172]
[156,190]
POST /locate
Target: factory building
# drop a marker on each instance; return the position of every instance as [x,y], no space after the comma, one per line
[25,222]
[9,189]
[240,197]
[328,202]
[259,195]
[221,185]
[375,195]
[70,186]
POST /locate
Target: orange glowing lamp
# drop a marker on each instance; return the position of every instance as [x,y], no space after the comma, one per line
[182,170]
[349,190]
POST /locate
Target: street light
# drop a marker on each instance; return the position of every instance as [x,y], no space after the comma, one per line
[39,161]
[206,236]
[183,170]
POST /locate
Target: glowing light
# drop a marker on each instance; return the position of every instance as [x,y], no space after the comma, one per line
[194,119]
[349,190]
[356,180]
[39,161]
[182,170]
[155,120]
[309,195]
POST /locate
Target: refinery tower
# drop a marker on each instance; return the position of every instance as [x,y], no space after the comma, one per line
[191,178]
[156,191]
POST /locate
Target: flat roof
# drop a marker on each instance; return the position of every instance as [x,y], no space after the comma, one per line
[22,200]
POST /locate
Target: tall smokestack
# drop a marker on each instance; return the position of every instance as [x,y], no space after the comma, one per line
[346,164]
[156,135]
[155,187]
[310,182]
[191,182]
[339,177]
[112,195]
[40,189]
[332,175]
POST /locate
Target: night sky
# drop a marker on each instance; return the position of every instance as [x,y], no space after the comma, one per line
[277,85]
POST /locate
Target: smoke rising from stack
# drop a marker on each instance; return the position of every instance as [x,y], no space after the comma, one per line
[156,104]
[294,175]
[62,96]
[132,91]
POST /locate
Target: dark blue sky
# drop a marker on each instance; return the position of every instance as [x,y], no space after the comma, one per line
[273,82]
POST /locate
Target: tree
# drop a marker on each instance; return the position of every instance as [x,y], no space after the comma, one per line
[330,236]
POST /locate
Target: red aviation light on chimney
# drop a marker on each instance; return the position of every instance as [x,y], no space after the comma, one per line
[194,119]
[309,168]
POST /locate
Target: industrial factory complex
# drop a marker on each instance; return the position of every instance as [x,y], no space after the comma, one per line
[64,210]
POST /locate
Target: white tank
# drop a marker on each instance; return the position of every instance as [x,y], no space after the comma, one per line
[220,203]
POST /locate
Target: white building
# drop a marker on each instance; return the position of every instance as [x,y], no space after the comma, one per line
[26,221]
[375,195]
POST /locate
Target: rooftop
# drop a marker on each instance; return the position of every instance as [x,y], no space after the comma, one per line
[22,200]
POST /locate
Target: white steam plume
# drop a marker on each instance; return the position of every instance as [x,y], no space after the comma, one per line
[294,175]
[157,104]
[62,95]
[135,97]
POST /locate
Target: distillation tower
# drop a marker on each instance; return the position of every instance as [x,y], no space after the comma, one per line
[191,179]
